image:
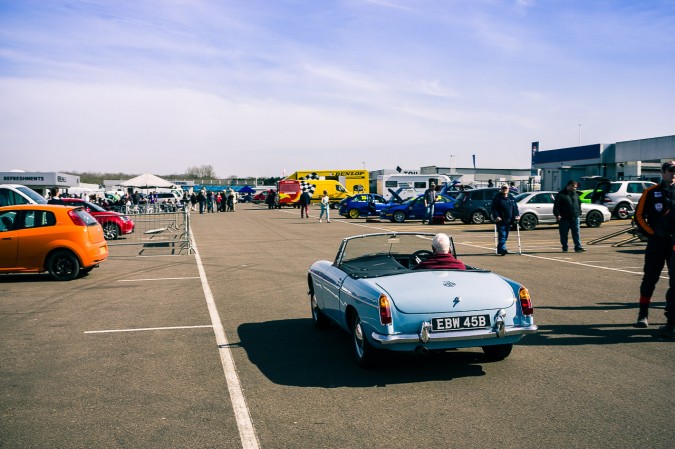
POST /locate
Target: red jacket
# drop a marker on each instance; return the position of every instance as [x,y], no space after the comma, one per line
[441,262]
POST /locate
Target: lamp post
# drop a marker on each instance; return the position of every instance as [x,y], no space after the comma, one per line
[579,134]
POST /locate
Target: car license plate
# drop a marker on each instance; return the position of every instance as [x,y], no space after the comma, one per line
[460,322]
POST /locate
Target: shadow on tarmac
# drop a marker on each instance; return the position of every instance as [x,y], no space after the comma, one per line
[590,334]
[293,352]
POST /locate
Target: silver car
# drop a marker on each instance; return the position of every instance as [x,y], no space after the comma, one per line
[537,208]
[622,197]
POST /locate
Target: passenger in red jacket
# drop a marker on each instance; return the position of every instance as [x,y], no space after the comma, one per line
[441,259]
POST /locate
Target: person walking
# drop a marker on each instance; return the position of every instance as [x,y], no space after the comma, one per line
[201,198]
[567,210]
[305,199]
[652,220]
[209,201]
[429,201]
[504,213]
[325,202]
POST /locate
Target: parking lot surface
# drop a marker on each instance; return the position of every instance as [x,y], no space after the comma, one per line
[217,349]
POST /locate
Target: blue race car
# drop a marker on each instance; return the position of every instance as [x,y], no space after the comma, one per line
[373,291]
[413,208]
[362,205]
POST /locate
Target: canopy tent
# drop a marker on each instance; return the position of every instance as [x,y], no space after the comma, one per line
[246,189]
[147,181]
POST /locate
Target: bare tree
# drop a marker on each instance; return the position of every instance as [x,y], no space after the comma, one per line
[201,172]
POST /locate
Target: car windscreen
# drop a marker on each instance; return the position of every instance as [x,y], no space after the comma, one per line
[94,207]
[384,244]
[32,194]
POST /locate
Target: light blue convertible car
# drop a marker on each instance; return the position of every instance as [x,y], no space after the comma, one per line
[372,291]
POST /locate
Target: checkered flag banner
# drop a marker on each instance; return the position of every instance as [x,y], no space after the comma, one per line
[306,185]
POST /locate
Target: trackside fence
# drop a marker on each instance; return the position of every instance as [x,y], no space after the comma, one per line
[169,230]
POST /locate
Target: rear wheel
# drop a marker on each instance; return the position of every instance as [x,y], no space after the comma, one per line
[528,222]
[497,352]
[449,216]
[478,217]
[353,213]
[364,353]
[593,219]
[111,231]
[399,216]
[622,211]
[63,265]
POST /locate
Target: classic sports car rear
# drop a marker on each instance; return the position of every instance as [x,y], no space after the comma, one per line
[372,290]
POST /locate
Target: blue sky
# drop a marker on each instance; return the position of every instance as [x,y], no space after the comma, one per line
[255,87]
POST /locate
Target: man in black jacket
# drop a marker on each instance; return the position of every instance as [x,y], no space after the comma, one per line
[567,210]
[504,213]
[653,219]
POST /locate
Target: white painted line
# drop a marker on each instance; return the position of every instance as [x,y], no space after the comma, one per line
[249,440]
[557,259]
[157,279]
[147,329]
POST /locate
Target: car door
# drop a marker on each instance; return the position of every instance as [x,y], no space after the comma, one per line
[36,231]
[331,283]
[417,209]
[9,241]
[543,206]
[634,192]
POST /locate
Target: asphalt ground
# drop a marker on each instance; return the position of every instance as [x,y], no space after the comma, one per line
[217,349]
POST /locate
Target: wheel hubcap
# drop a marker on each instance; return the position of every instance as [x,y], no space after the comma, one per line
[358,338]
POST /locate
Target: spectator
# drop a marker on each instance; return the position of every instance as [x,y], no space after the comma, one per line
[567,209]
[651,218]
[429,201]
[513,190]
[504,213]
[325,203]
[305,199]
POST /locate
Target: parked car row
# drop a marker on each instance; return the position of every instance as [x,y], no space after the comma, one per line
[470,206]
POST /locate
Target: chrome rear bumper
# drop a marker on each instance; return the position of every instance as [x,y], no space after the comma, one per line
[460,335]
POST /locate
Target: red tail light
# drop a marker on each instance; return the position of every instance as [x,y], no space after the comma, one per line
[525,301]
[385,310]
[77,221]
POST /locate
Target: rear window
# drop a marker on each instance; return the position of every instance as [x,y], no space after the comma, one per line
[38,219]
[84,215]
[614,187]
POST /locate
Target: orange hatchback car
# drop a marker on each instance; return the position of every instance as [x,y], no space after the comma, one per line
[65,241]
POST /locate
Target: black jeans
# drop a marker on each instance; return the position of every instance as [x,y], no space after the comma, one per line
[658,253]
[670,294]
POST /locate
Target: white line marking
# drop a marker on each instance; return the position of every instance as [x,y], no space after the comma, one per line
[147,329]
[242,415]
[156,279]
[569,261]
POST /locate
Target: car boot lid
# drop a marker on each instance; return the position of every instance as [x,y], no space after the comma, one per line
[444,291]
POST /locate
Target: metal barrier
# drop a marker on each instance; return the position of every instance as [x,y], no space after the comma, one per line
[632,232]
[169,230]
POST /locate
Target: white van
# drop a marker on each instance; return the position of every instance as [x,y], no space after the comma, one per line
[12,194]
[410,185]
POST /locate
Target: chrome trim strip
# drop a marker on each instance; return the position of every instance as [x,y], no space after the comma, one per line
[471,334]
